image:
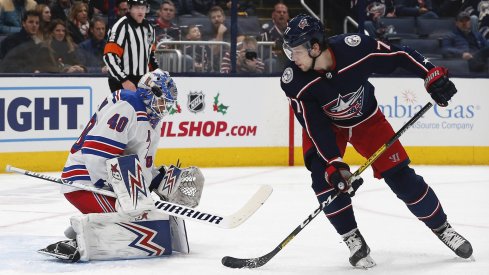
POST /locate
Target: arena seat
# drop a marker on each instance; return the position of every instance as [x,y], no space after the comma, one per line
[405,27]
[434,28]
[454,66]
[426,46]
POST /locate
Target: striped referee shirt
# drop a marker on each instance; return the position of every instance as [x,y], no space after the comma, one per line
[130,49]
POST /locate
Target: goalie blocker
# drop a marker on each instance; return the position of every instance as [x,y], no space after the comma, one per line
[137,229]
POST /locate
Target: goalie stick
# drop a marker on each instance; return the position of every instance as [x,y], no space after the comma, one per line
[173,209]
[262,260]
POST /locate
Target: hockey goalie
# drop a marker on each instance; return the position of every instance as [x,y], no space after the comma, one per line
[116,152]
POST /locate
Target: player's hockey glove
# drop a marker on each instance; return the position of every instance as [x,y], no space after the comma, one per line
[440,88]
[337,174]
[158,178]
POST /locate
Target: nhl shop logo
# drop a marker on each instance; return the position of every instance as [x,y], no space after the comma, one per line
[196,102]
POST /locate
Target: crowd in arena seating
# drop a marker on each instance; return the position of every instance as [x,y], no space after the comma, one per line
[69,36]
[451,33]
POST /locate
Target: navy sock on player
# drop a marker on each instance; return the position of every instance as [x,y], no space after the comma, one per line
[420,199]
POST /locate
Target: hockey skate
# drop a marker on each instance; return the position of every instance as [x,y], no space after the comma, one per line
[63,250]
[454,241]
[359,250]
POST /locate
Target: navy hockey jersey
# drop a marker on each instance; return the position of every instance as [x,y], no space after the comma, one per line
[343,96]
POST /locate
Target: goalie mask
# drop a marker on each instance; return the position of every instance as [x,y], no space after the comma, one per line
[159,94]
[303,30]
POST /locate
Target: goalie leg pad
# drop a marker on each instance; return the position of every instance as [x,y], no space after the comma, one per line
[179,238]
[111,236]
[127,177]
[181,186]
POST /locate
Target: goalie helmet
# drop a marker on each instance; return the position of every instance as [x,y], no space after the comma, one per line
[303,30]
[159,93]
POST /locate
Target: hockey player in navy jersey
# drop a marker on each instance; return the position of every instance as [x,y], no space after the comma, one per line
[327,87]
[116,152]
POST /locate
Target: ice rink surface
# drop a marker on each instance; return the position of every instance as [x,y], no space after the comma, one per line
[34,214]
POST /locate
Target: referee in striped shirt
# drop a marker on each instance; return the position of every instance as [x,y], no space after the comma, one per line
[129,52]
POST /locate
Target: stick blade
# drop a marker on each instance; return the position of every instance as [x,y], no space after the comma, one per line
[256,201]
[232,262]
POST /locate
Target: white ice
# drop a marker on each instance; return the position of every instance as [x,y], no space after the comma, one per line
[34,214]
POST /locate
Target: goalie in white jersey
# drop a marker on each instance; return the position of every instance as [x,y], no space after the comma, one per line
[116,151]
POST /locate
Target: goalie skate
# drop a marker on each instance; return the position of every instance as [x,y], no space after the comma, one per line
[454,241]
[63,250]
[359,250]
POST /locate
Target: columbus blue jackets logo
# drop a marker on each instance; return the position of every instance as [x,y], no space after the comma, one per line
[353,40]
[287,75]
[196,101]
[303,23]
[346,106]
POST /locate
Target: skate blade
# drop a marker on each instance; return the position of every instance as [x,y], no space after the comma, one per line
[471,258]
[55,255]
[366,263]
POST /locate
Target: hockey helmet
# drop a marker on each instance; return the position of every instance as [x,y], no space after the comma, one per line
[159,92]
[131,3]
[137,2]
[303,30]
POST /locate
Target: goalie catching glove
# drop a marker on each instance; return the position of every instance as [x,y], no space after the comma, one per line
[337,175]
[440,88]
[179,185]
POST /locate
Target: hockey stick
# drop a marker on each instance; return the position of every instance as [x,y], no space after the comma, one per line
[173,209]
[262,260]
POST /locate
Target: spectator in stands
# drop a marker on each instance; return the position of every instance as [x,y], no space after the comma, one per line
[121,8]
[480,10]
[280,16]
[62,48]
[197,54]
[27,34]
[247,60]
[21,53]
[78,23]
[91,51]
[11,12]
[376,10]
[467,44]
[165,28]
[416,8]
[60,9]
[44,21]
[220,30]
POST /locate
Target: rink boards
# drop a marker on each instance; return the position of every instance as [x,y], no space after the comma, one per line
[231,121]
